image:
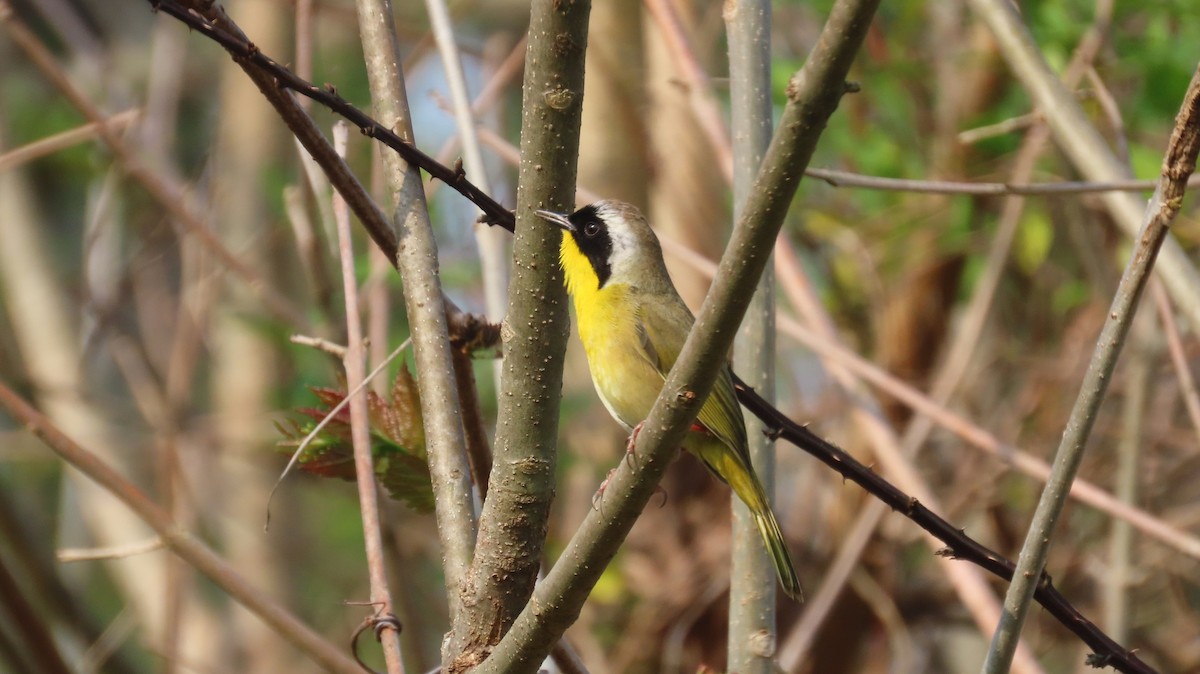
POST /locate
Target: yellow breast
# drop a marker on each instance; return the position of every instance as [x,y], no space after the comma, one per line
[608,327]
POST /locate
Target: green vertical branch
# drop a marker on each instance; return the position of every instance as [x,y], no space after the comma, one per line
[752,634]
[514,519]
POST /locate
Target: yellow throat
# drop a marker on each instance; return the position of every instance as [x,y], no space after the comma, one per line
[598,310]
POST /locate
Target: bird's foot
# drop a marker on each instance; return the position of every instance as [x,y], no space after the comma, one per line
[659,490]
[631,445]
[600,492]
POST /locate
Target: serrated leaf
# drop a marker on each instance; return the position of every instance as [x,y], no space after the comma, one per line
[406,478]
[407,401]
[397,441]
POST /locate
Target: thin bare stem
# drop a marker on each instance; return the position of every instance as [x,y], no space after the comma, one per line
[67,555]
[1187,383]
[416,258]
[508,70]
[60,141]
[1016,188]
[479,451]
[364,465]
[491,242]
[1142,359]
[1178,164]
[972,136]
[699,86]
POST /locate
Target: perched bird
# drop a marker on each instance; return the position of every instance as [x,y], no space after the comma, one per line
[633,325]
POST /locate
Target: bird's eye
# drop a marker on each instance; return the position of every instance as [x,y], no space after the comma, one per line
[591,229]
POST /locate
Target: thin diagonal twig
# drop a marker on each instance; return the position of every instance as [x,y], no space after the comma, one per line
[244,50]
[1178,164]
[65,139]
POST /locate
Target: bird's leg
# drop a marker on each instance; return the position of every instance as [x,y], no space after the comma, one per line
[631,446]
[600,492]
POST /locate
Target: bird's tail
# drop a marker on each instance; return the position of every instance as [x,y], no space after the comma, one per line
[741,478]
[750,491]
[777,547]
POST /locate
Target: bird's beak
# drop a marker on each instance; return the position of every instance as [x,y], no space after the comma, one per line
[560,219]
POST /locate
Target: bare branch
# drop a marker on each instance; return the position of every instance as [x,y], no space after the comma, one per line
[59,141]
[514,519]
[752,631]
[1178,164]
[857,180]
[364,465]
[416,258]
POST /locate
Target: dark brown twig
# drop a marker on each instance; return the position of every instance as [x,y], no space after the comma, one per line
[958,544]
[244,51]
[35,634]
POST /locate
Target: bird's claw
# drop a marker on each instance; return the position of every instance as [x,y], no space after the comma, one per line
[631,445]
[600,492]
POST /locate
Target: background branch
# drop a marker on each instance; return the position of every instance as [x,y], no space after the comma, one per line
[1084,145]
[417,261]
[1178,164]
[752,589]
[364,466]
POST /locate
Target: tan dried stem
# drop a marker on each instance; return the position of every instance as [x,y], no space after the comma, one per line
[364,465]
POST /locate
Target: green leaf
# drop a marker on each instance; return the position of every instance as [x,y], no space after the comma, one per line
[397,436]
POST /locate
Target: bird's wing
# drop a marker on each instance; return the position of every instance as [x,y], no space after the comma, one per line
[662,331]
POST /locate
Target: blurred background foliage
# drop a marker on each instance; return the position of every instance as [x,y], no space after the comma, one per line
[149,350]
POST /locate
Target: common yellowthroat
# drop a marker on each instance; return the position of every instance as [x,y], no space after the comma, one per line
[633,325]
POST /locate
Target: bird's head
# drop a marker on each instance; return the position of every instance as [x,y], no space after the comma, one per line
[608,243]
